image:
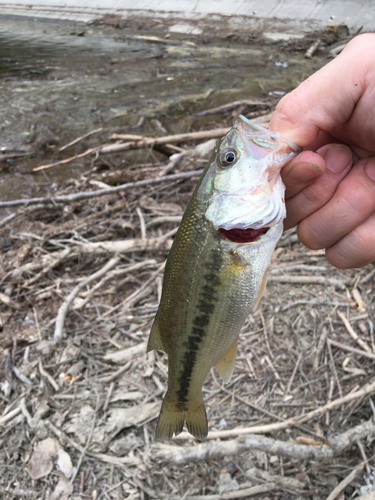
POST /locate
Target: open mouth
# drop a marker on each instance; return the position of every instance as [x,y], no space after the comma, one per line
[243,235]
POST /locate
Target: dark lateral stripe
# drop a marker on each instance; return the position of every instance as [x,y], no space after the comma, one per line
[208,296]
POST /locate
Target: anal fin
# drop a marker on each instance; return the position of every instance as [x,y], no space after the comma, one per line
[225,365]
[155,341]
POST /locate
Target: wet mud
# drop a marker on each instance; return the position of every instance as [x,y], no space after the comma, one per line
[60,80]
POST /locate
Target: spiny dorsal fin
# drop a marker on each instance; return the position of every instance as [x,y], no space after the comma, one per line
[225,365]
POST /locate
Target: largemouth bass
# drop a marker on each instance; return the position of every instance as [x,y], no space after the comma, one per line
[215,272]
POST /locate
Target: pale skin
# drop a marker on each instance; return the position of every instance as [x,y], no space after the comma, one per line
[330,185]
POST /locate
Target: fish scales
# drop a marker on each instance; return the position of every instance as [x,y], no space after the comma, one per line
[215,272]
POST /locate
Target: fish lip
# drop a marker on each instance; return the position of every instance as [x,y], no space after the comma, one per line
[244,236]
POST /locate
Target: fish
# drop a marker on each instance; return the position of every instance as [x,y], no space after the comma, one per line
[216,269]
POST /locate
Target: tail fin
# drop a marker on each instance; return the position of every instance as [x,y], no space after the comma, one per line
[196,420]
[171,419]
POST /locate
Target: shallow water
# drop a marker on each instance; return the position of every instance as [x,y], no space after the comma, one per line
[60,80]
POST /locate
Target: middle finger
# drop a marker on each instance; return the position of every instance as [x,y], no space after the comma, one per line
[352,203]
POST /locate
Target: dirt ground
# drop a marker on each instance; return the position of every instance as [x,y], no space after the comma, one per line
[80,281]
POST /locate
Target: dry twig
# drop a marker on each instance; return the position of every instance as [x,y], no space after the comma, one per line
[345,347]
[79,139]
[233,105]
[141,142]
[183,455]
[98,248]
[352,333]
[290,422]
[63,310]
[242,493]
[9,302]
[313,280]
[67,198]
[137,142]
[345,482]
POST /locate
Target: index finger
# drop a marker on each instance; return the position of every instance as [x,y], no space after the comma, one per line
[326,99]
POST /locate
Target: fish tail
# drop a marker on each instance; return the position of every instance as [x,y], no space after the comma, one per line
[172,418]
[196,419]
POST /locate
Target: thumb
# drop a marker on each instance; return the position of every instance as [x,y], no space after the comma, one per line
[326,99]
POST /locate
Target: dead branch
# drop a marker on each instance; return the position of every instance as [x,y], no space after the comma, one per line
[46,375]
[75,141]
[98,248]
[290,422]
[282,482]
[142,142]
[369,276]
[137,142]
[320,347]
[243,493]
[234,105]
[84,195]
[21,376]
[63,310]
[123,462]
[9,302]
[358,298]
[345,482]
[135,296]
[52,265]
[111,378]
[67,160]
[352,333]
[124,246]
[333,367]
[206,451]
[116,273]
[312,49]
[155,39]
[18,492]
[10,416]
[294,373]
[314,303]
[313,280]
[120,357]
[345,347]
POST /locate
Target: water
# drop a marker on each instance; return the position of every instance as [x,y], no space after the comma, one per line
[60,80]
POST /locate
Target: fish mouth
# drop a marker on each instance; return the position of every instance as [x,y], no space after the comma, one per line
[237,235]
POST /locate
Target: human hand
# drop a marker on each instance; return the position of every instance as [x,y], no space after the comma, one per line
[331,185]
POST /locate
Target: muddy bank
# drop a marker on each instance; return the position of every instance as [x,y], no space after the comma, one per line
[59,81]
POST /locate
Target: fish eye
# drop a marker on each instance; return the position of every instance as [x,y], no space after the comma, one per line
[227,157]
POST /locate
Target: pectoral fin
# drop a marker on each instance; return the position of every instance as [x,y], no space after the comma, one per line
[155,341]
[225,365]
[261,291]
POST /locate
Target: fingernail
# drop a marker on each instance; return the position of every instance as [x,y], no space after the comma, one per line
[304,172]
[370,168]
[337,158]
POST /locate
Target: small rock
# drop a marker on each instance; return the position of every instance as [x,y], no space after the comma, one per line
[187,29]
